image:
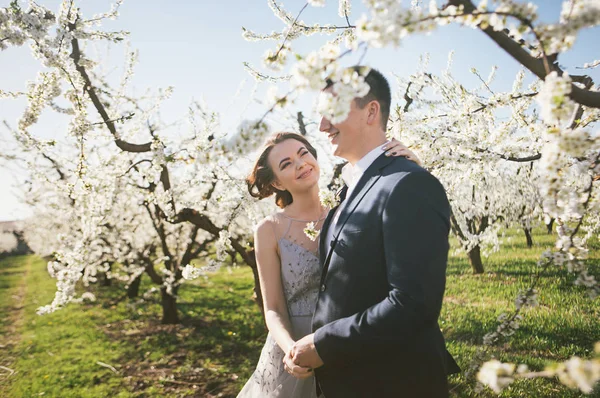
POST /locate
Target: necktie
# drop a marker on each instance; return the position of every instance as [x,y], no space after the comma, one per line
[341,194]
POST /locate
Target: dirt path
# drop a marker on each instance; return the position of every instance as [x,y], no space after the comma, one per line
[13,319]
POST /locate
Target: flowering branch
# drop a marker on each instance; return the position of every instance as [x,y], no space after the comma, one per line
[535,65]
[89,88]
[575,373]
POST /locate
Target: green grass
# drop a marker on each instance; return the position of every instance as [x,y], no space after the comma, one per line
[566,322]
[57,354]
[217,345]
[12,271]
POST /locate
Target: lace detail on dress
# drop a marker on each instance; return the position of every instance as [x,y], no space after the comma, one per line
[267,376]
[300,274]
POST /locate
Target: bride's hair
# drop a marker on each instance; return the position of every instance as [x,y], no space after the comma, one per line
[260,180]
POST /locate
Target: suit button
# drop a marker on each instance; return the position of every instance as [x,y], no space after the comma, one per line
[323,287]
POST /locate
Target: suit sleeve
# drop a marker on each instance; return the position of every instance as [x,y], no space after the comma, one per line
[415,224]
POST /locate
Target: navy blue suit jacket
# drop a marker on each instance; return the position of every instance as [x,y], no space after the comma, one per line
[382,287]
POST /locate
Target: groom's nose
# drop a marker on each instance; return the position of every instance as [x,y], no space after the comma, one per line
[325,125]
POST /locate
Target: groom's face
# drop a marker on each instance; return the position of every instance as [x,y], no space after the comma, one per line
[345,136]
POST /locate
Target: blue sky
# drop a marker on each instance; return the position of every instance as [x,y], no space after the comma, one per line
[197,47]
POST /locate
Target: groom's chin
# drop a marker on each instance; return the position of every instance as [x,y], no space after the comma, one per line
[335,150]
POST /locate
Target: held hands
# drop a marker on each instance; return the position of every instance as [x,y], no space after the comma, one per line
[302,358]
[396,148]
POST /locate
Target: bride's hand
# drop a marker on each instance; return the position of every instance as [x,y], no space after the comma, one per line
[298,372]
[396,148]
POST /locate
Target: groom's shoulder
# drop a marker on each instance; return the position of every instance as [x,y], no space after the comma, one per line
[403,172]
[400,167]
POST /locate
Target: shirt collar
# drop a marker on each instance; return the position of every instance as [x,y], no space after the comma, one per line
[351,174]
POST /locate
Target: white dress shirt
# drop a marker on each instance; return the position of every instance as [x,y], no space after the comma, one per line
[351,174]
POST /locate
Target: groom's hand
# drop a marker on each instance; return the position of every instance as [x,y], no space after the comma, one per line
[304,353]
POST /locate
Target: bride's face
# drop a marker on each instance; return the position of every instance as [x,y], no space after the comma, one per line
[294,167]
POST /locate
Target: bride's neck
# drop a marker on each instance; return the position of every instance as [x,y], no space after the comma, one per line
[306,205]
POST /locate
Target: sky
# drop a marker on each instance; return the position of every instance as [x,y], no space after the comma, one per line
[197,47]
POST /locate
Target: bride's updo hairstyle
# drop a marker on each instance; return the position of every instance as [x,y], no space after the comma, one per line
[260,180]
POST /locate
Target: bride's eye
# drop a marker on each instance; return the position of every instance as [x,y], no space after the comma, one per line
[304,153]
[283,166]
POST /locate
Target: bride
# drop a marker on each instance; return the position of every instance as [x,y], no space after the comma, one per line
[288,261]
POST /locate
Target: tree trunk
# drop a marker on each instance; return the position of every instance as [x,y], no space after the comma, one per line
[528,236]
[106,281]
[22,246]
[169,307]
[475,259]
[133,290]
[549,226]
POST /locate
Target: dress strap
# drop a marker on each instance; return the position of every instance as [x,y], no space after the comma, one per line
[296,219]
[276,220]
[274,226]
[288,227]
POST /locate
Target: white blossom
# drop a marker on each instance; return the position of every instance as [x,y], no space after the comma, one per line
[328,198]
[344,7]
[223,245]
[190,272]
[555,104]
[317,3]
[311,232]
[496,375]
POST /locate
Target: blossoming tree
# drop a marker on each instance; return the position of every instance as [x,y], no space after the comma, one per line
[131,193]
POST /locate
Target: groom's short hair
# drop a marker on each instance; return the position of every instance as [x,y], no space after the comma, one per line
[379,91]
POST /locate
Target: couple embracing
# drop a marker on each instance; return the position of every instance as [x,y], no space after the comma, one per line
[354,313]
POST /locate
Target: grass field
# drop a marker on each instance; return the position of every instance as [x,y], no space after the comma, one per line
[117,347]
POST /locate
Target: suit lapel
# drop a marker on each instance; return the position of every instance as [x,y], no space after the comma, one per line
[323,236]
[366,182]
[362,187]
[323,249]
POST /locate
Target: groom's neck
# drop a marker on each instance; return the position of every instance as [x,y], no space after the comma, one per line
[365,144]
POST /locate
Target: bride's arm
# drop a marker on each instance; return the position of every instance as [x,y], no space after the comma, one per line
[269,271]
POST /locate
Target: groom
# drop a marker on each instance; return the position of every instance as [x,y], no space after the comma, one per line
[384,251]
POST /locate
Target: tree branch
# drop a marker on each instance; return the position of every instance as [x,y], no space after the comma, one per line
[207,225]
[187,256]
[535,65]
[120,119]
[301,124]
[517,159]
[134,166]
[56,166]
[166,183]
[89,89]
[210,192]
[408,99]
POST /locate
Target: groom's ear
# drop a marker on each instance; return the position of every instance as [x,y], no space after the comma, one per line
[373,111]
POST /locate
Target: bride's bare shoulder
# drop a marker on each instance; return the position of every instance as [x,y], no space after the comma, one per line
[266,229]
